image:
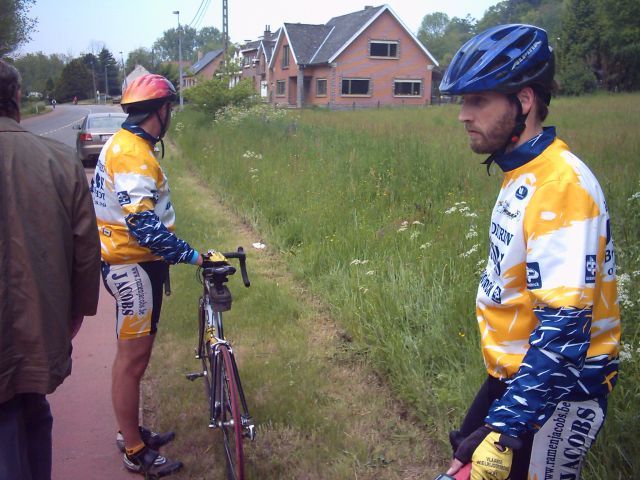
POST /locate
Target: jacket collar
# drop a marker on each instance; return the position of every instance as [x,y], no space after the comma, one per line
[8,124]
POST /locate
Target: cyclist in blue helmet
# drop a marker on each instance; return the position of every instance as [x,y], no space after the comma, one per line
[547,304]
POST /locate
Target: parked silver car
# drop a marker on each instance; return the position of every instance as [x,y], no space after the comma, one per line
[93,132]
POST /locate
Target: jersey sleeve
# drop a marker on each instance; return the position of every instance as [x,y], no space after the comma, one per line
[136,187]
[565,232]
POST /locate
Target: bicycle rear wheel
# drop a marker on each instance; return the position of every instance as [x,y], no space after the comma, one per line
[231,420]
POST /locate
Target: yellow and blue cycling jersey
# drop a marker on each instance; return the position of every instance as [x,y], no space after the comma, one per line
[133,208]
[547,305]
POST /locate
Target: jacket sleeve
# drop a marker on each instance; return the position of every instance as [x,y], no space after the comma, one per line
[86,249]
[564,231]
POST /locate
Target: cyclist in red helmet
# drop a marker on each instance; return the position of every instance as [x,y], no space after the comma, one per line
[136,223]
[547,303]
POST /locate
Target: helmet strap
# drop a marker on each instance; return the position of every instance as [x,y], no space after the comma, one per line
[514,136]
[163,126]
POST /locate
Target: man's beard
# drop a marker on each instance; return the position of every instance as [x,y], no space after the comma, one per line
[496,139]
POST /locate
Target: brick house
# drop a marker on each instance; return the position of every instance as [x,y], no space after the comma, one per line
[365,58]
[255,57]
[204,69]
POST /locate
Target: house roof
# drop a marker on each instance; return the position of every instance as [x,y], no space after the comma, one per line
[205,60]
[321,44]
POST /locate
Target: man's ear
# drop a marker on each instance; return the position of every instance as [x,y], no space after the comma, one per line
[527,98]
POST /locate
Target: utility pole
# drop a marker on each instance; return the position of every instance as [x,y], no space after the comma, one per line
[225,25]
[106,84]
[93,76]
[124,74]
[177,12]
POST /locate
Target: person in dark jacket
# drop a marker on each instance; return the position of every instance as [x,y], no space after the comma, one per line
[49,280]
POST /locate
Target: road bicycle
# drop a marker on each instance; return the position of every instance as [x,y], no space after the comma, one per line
[228,410]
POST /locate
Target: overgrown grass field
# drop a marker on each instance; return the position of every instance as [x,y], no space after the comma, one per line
[383,214]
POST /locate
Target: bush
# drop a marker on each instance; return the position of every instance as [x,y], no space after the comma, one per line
[213,95]
[576,78]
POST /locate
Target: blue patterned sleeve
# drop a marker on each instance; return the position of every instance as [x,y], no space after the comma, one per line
[151,233]
[549,371]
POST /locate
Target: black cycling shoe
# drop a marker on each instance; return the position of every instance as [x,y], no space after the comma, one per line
[150,464]
[151,439]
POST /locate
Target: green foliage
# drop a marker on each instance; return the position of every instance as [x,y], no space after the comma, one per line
[15,25]
[140,56]
[576,78]
[382,213]
[212,95]
[207,39]
[36,68]
[75,81]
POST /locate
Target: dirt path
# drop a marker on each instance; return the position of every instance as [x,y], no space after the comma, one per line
[84,425]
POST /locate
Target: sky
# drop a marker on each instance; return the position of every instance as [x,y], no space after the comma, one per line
[75,27]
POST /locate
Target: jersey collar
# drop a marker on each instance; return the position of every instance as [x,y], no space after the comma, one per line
[525,152]
[138,131]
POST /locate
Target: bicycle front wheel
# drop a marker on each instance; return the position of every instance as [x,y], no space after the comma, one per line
[231,420]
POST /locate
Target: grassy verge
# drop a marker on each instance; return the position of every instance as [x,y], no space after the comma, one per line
[321,411]
[383,215]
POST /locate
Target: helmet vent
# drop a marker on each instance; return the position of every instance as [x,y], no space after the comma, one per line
[524,41]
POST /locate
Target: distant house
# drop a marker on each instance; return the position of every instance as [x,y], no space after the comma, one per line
[365,58]
[255,57]
[138,71]
[204,69]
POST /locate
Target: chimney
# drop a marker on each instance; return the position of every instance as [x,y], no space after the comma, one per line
[199,55]
[367,7]
[267,32]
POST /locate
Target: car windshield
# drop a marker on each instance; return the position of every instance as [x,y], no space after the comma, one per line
[106,123]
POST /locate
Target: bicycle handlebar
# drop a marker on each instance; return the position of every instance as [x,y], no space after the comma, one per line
[242,257]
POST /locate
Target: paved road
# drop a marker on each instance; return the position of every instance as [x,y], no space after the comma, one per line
[84,425]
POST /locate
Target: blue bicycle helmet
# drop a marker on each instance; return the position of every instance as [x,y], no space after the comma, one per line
[502,59]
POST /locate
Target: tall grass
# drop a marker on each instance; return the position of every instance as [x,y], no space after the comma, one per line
[384,214]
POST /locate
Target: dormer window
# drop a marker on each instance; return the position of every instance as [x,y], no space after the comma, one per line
[383,49]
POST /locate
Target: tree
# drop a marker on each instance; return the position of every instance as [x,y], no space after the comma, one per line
[166,47]
[139,56]
[37,68]
[75,80]
[109,73]
[15,26]
[443,37]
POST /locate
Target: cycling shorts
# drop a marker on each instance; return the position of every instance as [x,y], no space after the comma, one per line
[556,451]
[137,289]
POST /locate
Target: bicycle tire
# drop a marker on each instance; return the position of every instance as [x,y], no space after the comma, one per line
[231,420]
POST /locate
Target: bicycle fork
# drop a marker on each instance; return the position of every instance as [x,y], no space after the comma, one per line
[248,428]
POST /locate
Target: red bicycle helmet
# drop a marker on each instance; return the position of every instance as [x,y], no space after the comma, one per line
[147,93]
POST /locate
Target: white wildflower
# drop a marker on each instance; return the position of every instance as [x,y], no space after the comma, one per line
[424,246]
[626,352]
[359,262]
[371,272]
[416,222]
[470,251]
[414,235]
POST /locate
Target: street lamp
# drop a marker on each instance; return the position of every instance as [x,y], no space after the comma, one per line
[177,12]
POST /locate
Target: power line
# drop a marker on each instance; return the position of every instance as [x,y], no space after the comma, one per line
[197,19]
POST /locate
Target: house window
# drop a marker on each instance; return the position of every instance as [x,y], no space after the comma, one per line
[407,88]
[285,56]
[355,86]
[383,49]
[321,87]
[280,88]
